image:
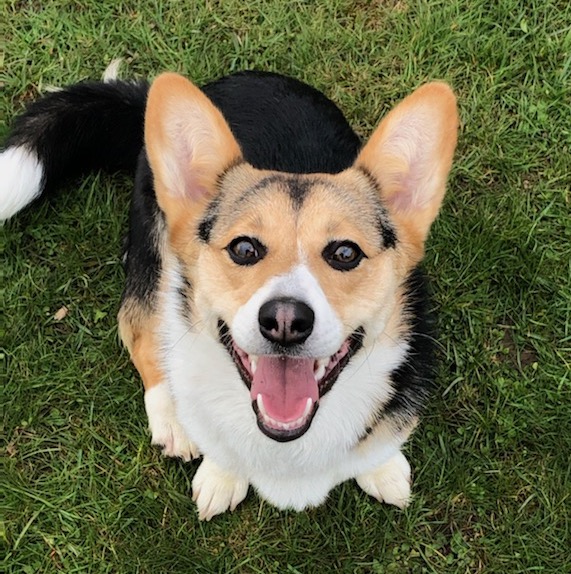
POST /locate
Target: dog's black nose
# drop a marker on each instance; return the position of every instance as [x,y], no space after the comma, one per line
[286,321]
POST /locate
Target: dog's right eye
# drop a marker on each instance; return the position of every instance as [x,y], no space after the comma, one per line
[246,250]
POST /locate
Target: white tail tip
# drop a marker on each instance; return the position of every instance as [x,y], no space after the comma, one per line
[21,180]
[111,73]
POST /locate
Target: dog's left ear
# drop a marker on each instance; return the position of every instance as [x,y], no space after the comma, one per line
[188,144]
[410,155]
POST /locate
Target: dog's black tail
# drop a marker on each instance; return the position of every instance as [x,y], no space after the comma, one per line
[81,128]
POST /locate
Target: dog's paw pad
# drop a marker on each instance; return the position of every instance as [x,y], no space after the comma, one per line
[215,491]
[390,482]
[166,431]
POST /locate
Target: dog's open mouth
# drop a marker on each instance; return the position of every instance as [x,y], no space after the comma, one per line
[285,390]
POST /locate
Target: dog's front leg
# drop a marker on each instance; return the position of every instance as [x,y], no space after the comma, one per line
[166,431]
[216,490]
[137,327]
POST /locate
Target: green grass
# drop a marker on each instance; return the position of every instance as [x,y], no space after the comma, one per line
[83,491]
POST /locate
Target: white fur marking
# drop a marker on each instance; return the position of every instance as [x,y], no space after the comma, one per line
[21,174]
[390,482]
[301,284]
[164,426]
[111,73]
[215,490]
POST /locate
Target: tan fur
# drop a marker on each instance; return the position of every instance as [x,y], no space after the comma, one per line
[137,328]
[386,429]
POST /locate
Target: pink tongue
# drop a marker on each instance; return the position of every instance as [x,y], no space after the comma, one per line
[285,384]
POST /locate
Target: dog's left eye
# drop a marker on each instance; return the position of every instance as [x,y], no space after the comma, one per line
[343,255]
[246,250]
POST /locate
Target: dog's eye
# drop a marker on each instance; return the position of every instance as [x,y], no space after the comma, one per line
[343,255]
[246,250]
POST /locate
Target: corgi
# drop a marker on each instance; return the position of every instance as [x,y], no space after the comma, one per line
[274,306]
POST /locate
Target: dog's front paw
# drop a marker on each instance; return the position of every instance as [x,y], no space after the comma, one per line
[390,482]
[165,429]
[214,490]
[171,437]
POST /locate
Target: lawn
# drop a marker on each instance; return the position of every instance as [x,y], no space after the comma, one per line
[83,490]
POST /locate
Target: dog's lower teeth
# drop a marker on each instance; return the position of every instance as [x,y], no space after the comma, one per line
[307,409]
[282,425]
[253,363]
[261,407]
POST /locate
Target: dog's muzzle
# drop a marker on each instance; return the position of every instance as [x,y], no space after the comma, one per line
[286,386]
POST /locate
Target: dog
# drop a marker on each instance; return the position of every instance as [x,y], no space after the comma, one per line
[274,305]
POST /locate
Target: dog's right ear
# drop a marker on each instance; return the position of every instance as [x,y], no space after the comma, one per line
[188,143]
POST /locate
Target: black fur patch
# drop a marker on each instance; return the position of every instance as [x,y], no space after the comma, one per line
[413,381]
[383,222]
[296,187]
[208,220]
[283,124]
[185,293]
[205,228]
[386,229]
[142,258]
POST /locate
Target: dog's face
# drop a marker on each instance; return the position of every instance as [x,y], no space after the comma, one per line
[291,270]
[293,274]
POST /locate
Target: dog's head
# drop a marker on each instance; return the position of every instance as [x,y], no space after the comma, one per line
[294,273]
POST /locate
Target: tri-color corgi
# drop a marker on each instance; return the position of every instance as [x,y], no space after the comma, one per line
[274,306]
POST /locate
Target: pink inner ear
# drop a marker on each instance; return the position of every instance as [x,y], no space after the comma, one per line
[413,191]
[402,199]
[193,188]
[409,164]
[185,177]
